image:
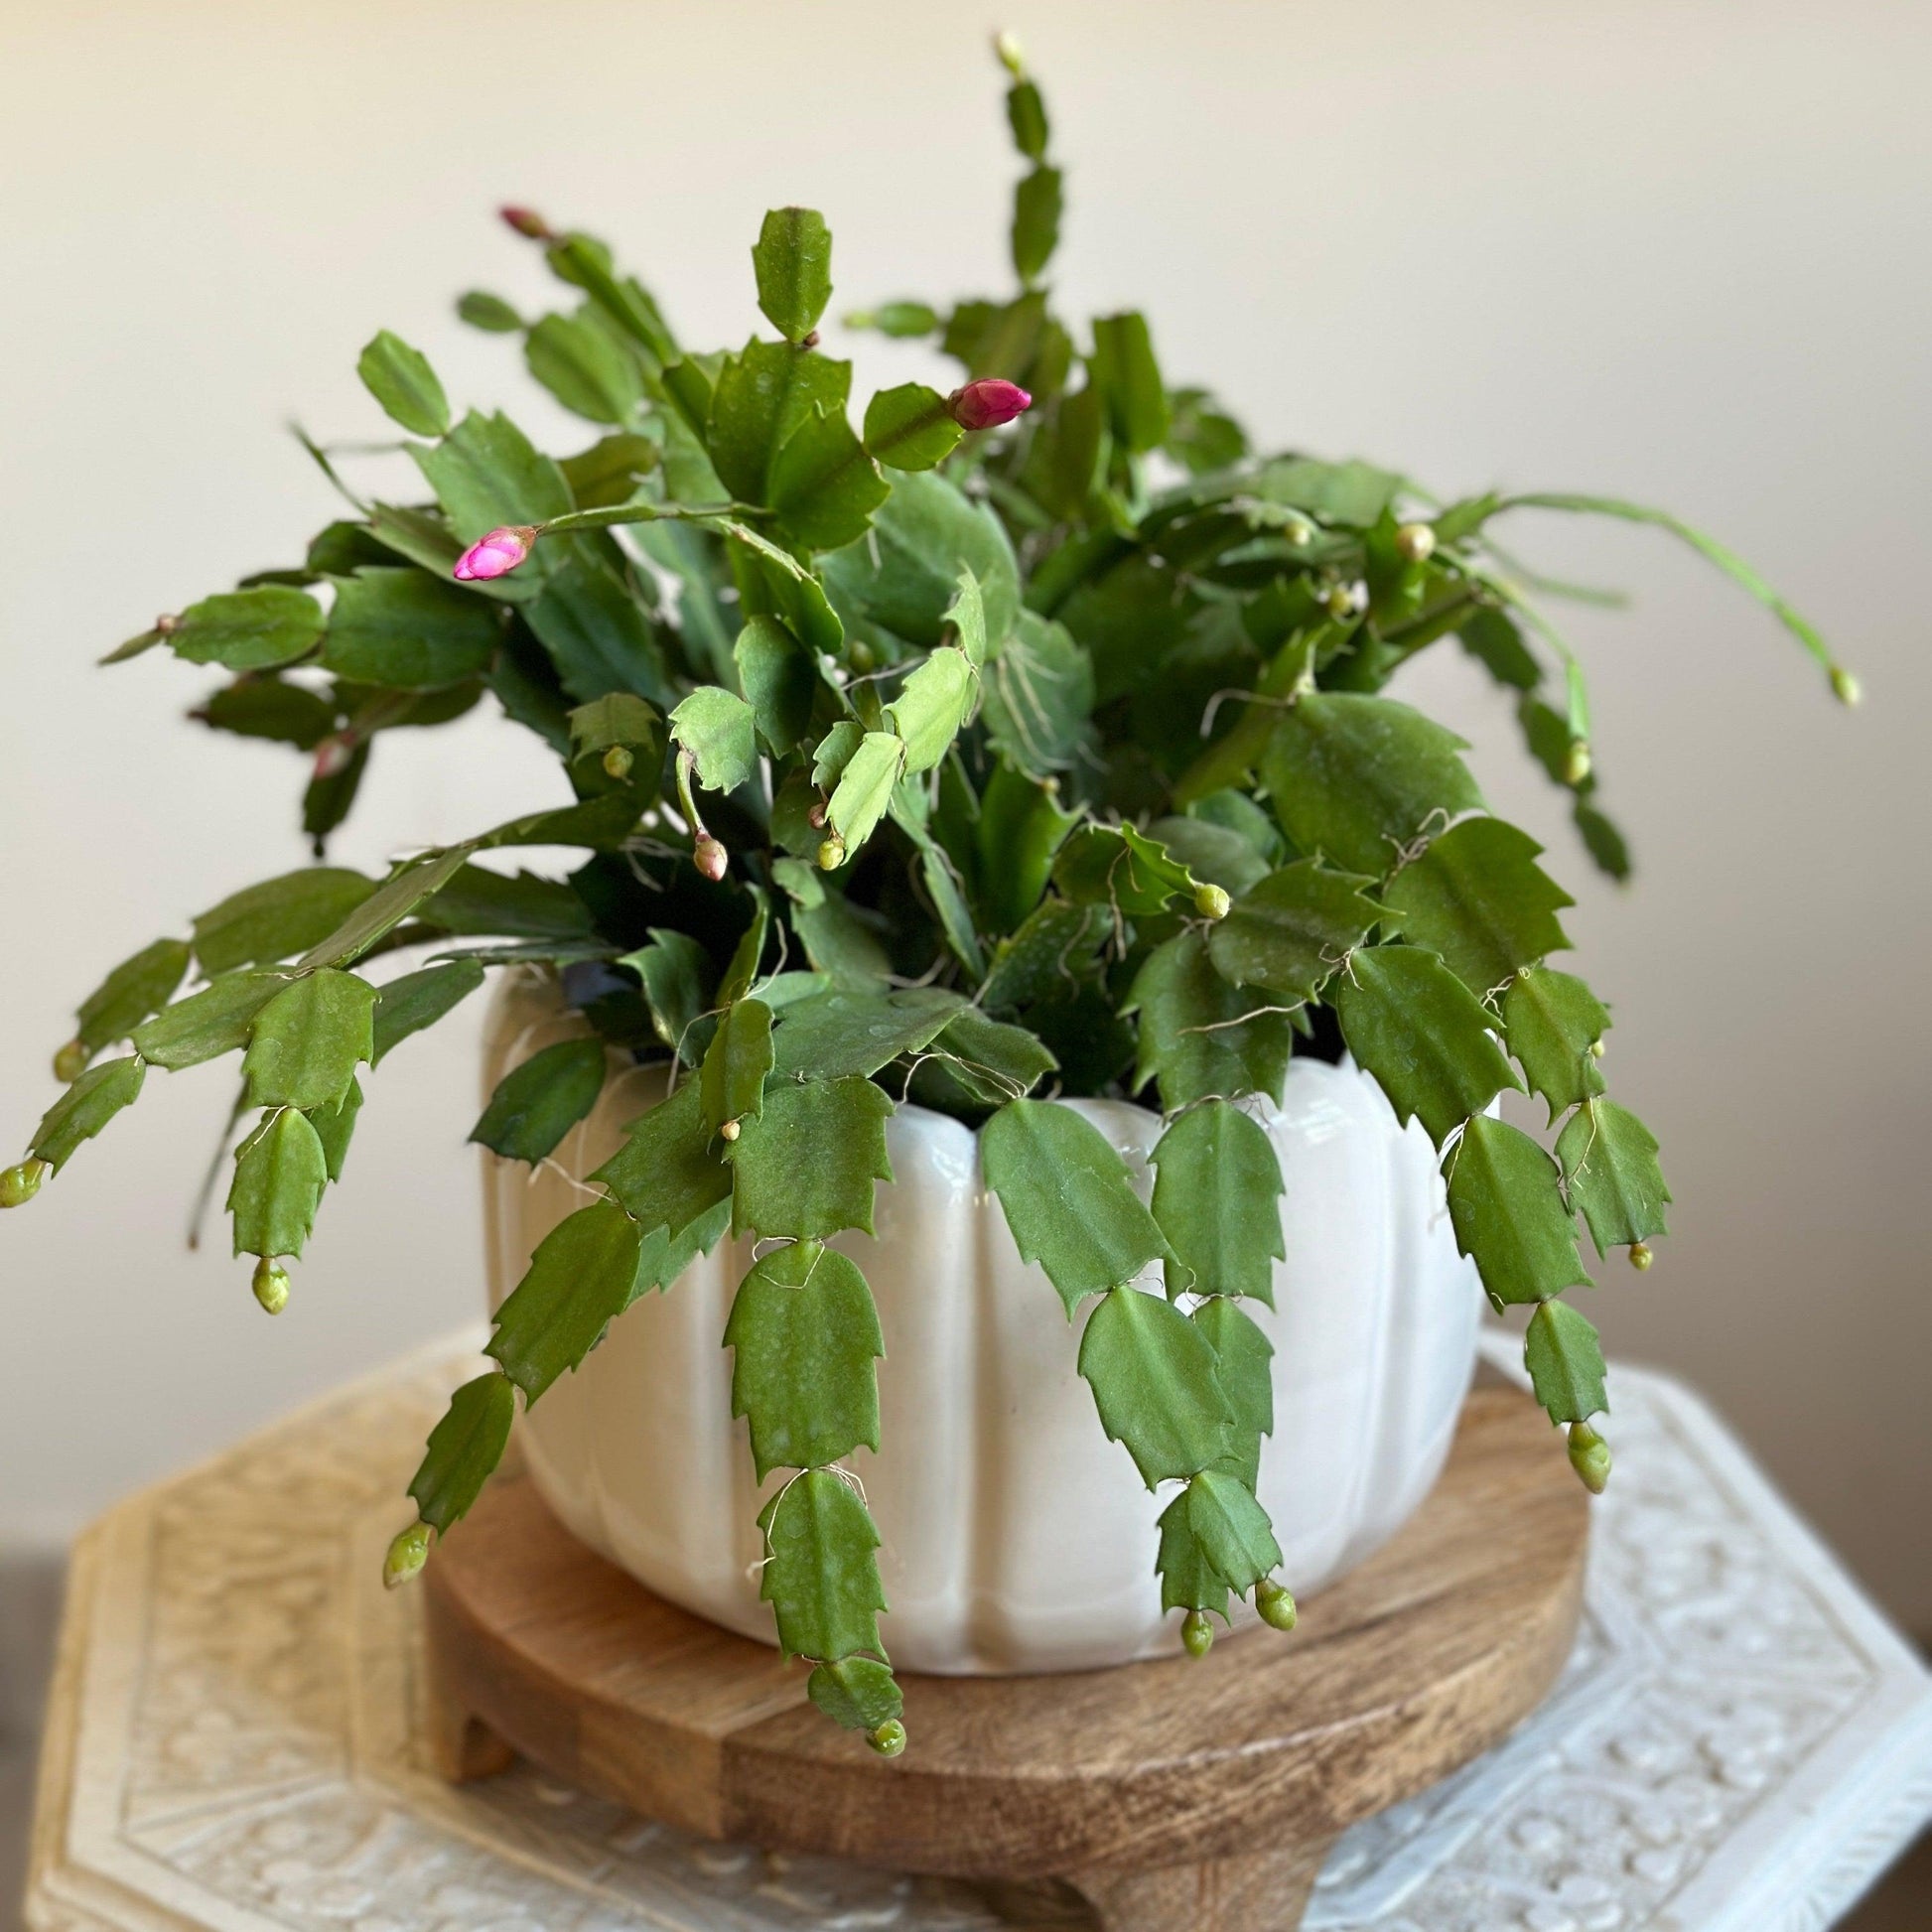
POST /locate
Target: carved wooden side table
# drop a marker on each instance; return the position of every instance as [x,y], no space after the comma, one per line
[236,1736]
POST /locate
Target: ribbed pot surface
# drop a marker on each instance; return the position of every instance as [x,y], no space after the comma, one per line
[1015,1536]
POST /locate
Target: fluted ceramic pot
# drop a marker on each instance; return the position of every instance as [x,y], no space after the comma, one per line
[1015,1537]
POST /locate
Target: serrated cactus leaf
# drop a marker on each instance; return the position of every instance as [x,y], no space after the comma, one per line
[305,1044]
[1232,1529]
[668,1173]
[806,1166]
[1565,1363]
[1553,1021]
[731,1082]
[401,380]
[819,1575]
[1153,1381]
[1505,1199]
[793,260]
[1478,900]
[1609,1163]
[85,1108]
[1291,930]
[1217,1199]
[539,1101]
[805,1336]
[136,989]
[1068,1199]
[280,1171]
[1198,1035]
[1428,1041]
[464,1449]
[1357,778]
[582,1275]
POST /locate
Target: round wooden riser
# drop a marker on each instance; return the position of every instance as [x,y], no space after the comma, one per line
[1178,1794]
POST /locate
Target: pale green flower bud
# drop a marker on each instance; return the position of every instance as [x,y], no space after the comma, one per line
[407,1554]
[19,1185]
[617,761]
[1590,1456]
[1211,901]
[70,1061]
[1275,1605]
[1196,1633]
[272,1284]
[1640,1255]
[1576,767]
[1415,543]
[1845,687]
[888,1740]
[831,853]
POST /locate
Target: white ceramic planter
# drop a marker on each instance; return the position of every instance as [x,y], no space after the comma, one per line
[1015,1536]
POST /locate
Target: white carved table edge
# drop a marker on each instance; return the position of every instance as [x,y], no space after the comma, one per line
[235,1732]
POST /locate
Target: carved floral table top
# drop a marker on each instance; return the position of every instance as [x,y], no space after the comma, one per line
[233,1738]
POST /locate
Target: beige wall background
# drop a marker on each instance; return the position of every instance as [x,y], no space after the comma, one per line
[1677,250]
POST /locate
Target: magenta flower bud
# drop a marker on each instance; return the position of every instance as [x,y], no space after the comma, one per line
[710,857]
[526,221]
[497,554]
[988,404]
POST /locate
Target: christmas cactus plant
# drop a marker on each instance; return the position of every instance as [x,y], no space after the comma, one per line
[965,749]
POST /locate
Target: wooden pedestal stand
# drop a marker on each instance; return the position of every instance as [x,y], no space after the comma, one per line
[1180,1794]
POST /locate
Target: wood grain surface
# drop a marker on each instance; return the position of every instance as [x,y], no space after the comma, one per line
[1179,1792]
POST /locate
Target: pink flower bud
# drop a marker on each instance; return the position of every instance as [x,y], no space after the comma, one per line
[526,221]
[988,404]
[710,857]
[332,755]
[496,554]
